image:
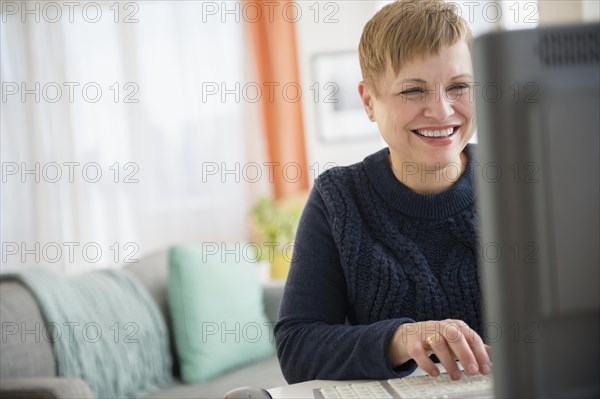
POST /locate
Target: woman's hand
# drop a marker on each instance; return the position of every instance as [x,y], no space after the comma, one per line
[450,340]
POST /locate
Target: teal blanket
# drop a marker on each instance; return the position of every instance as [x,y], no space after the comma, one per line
[105,329]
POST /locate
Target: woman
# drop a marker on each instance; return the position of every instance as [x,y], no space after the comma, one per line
[384,271]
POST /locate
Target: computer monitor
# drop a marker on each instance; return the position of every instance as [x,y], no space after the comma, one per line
[538,159]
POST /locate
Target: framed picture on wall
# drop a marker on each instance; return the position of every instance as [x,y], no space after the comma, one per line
[339,112]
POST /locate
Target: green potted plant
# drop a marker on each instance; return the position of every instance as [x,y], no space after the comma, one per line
[274,226]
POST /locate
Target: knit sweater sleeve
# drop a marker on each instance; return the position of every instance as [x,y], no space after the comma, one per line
[313,338]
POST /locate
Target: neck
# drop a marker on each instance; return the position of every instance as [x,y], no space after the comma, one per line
[424,179]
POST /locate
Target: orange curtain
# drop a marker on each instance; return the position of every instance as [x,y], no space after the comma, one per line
[272,31]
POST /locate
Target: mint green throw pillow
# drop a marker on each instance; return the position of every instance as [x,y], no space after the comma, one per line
[219,322]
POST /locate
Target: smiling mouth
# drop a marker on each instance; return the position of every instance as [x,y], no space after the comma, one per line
[439,133]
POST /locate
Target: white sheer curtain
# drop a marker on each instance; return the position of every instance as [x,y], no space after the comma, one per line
[131,108]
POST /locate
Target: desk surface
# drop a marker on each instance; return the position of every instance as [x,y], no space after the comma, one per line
[305,389]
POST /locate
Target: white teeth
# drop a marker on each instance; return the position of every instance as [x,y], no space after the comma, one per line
[436,133]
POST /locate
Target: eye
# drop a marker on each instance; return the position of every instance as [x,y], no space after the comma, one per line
[412,91]
[456,90]
[459,86]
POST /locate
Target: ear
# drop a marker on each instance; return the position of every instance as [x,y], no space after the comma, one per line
[367,99]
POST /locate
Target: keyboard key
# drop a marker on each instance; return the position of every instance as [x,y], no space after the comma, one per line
[422,386]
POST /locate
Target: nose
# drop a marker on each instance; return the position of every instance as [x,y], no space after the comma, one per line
[438,106]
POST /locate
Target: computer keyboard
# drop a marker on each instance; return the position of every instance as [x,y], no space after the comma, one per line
[422,386]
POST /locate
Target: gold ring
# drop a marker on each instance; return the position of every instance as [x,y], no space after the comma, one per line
[429,339]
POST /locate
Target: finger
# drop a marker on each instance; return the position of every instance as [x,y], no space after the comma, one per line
[456,338]
[480,350]
[441,349]
[484,358]
[418,352]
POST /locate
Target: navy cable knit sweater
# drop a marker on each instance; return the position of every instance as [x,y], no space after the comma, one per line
[371,254]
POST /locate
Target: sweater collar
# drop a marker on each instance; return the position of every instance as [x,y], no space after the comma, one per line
[455,199]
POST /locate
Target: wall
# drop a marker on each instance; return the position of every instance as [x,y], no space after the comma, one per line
[318,34]
[554,12]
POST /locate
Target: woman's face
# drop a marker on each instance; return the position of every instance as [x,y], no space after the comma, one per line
[425,114]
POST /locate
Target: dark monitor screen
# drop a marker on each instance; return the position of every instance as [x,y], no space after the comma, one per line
[538,159]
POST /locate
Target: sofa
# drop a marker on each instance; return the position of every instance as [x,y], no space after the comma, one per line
[28,367]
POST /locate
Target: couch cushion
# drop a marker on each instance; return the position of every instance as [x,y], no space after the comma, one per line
[151,270]
[218,314]
[26,350]
[272,294]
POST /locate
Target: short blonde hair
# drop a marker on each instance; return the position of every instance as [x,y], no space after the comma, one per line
[406,29]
